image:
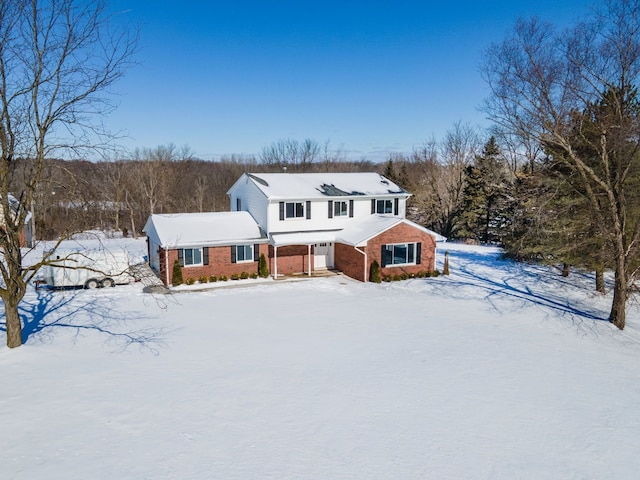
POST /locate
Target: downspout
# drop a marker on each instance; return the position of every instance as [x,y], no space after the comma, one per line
[365,262]
[166,265]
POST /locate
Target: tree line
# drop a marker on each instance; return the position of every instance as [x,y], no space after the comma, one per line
[120,194]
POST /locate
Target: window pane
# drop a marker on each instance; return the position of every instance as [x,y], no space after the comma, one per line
[399,254]
[340,209]
[387,255]
[384,206]
[239,253]
[248,252]
[188,256]
[290,210]
[197,256]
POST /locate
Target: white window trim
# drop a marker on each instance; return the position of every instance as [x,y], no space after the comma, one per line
[415,248]
[301,217]
[184,258]
[243,247]
[340,213]
[384,200]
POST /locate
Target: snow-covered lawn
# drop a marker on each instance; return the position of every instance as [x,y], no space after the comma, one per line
[499,371]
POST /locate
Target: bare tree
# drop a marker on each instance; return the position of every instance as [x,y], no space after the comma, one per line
[436,172]
[57,60]
[546,85]
[291,153]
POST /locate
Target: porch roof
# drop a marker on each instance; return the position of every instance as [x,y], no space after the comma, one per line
[302,238]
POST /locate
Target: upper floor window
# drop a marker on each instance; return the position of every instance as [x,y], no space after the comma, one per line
[340,208]
[292,210]
[385,206]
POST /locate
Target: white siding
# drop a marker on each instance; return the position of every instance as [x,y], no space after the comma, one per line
[252,200]
[320,215]
[154,245]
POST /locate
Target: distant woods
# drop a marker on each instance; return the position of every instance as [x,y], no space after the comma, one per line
[120,194]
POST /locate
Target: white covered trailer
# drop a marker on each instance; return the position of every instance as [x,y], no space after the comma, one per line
[88,269]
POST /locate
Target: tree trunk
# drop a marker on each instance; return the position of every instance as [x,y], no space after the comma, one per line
[566,269]
[600,280]
[14,326]
[618,307]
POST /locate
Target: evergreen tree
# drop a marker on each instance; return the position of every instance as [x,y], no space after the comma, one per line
[374,274]
[486,200]
[562,215]
[263,269]
[177,273]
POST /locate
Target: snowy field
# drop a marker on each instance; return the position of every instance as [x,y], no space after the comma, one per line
[500,371]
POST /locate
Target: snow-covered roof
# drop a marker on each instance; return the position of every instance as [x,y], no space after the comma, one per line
[203,229]
[323,185]
[358,233]
[302,238]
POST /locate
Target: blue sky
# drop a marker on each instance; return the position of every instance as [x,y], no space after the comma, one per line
[372,77]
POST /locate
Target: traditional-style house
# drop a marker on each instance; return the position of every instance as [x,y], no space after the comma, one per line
[302,223]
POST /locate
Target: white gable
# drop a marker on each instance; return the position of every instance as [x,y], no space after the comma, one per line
[203,229]
[324,185]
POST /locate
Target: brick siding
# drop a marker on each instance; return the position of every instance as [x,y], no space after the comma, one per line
[219,264]
[291,259]
[351,262]
[295,258]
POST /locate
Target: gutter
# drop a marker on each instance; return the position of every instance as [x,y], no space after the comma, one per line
[365,262]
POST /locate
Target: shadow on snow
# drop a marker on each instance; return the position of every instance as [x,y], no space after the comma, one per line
[75,310]
[502,278]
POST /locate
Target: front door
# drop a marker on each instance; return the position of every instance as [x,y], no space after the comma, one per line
[323,256]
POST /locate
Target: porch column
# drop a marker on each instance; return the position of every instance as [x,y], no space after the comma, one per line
[309,259]
[275,262]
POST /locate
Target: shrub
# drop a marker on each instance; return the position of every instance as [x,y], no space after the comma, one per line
[203,279]
[213,278]
[374,274]
[263,269]
[223,278]
[244,275]
[177,273]
[254,275]
[435,273]
[190,281]
[235,276]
